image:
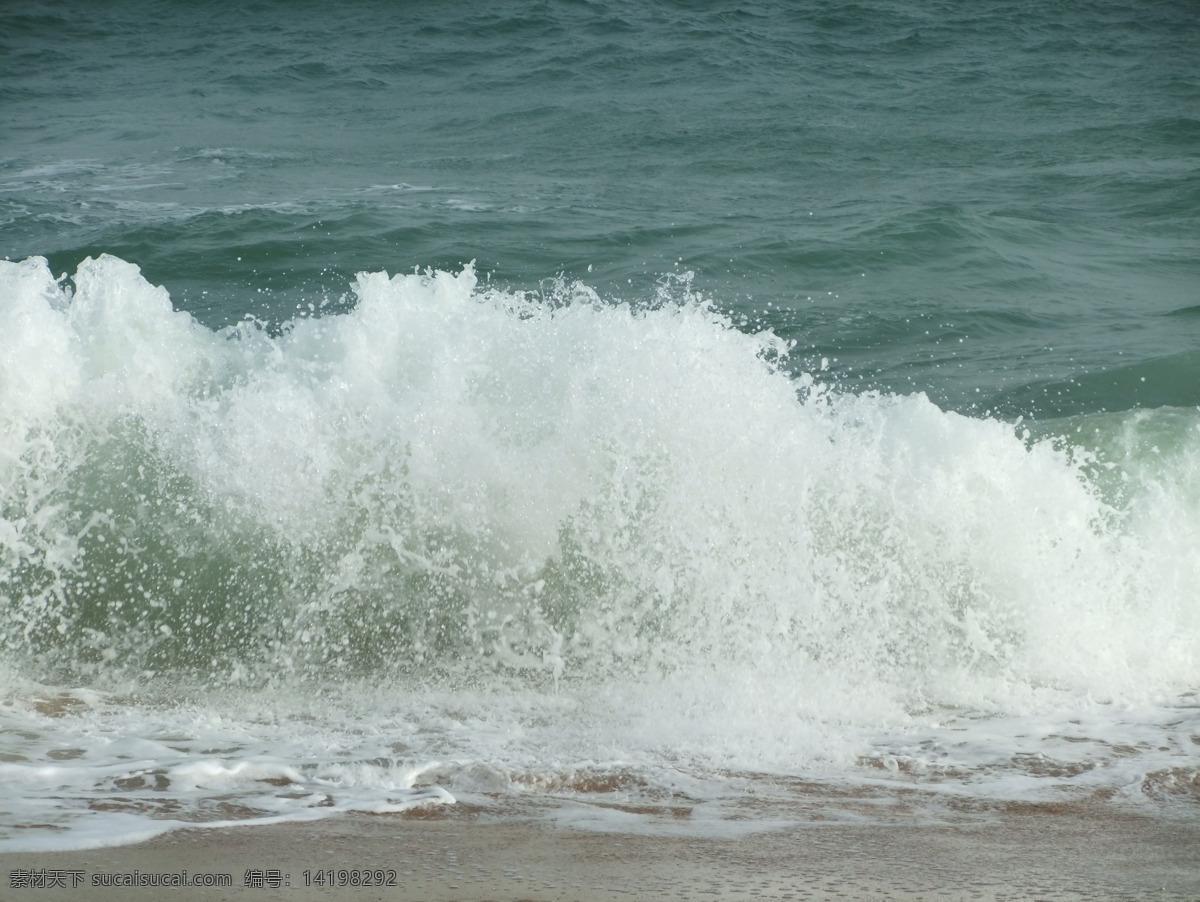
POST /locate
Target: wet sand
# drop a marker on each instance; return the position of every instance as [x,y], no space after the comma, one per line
[458,853]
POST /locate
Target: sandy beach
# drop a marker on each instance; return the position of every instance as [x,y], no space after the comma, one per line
[458,853]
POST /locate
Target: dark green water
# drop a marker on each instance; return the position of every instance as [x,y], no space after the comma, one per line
[999,206]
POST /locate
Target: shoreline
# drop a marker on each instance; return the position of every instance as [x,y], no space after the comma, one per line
[460,853]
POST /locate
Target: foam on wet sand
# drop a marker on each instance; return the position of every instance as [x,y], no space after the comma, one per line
[1043,852]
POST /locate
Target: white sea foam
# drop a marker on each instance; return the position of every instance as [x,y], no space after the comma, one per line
[463,541]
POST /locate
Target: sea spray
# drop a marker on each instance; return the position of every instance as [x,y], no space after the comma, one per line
[463,540]
[455,479]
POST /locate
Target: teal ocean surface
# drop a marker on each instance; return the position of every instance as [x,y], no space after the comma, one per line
[550,405]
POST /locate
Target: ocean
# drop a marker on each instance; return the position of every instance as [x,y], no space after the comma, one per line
[657,417]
